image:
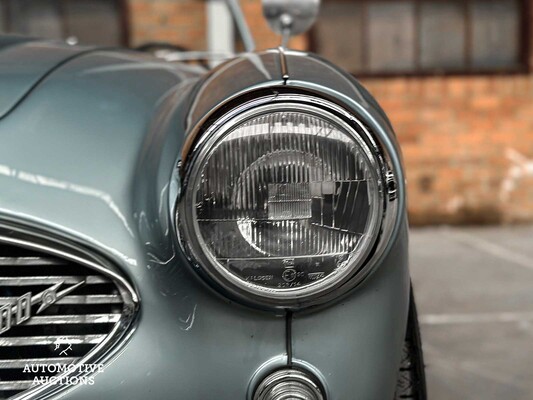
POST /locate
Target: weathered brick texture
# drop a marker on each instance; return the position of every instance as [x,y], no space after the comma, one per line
[180,22]
[467,144]
[467,141]
[183,22]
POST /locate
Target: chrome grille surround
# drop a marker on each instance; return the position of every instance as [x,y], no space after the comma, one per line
[96,316]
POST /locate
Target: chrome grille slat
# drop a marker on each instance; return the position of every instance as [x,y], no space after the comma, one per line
[50,280]
[15,385]
[88,299]
[29,261]
[22,362]
[74,319]
[46,340]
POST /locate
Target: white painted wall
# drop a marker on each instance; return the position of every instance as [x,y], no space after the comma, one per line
[220,27]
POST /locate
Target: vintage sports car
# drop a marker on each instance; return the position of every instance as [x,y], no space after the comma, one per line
[173,232]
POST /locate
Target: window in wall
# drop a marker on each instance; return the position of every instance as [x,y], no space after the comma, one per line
[98,22]
[422,36]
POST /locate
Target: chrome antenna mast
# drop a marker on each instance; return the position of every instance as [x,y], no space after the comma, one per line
[242,25]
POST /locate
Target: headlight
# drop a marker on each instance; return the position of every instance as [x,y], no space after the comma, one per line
[283,202]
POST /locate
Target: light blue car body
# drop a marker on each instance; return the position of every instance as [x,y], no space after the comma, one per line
[90,140]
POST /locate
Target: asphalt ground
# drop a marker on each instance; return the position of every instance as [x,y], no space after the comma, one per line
[474,292]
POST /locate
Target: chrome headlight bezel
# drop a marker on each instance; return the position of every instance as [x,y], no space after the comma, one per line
[383,218]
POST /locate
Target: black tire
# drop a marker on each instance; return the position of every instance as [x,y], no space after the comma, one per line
[411,379]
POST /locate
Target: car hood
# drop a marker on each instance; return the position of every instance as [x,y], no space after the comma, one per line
[24,62]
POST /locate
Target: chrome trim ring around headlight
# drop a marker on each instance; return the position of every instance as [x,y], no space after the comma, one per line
[288,384]
[382,220]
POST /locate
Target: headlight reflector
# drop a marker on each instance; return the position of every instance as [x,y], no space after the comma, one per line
[283,202]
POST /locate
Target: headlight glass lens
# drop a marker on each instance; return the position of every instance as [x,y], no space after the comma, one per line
[286,201]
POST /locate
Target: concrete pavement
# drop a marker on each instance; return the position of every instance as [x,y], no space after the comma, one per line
[474,290]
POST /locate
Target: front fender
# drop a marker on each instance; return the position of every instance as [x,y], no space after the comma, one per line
[92,153]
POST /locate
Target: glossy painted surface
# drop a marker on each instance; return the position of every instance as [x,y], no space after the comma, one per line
[356,343]
[23,63]
[91,154]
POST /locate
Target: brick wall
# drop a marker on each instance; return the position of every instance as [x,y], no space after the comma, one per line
[467,141]
[183,22]
[467,144]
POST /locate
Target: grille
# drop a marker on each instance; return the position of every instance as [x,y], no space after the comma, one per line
[54,311]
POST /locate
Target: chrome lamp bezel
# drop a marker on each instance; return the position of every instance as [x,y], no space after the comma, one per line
[385,210]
